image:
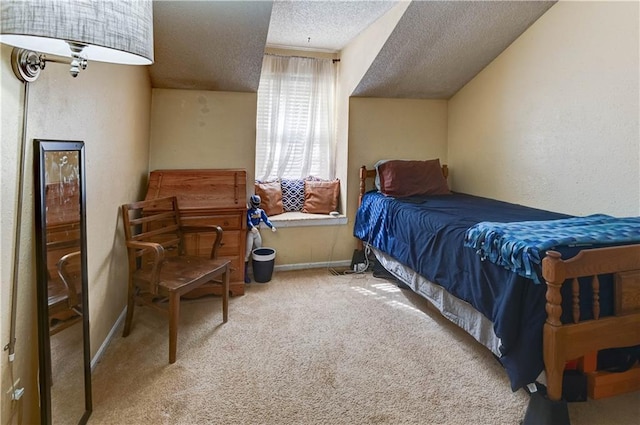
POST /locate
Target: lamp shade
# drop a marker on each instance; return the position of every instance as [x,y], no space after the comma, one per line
[116,31]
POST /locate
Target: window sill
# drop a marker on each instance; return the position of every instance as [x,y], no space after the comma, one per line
[300,219]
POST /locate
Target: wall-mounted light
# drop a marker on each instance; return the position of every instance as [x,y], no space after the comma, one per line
[115,31]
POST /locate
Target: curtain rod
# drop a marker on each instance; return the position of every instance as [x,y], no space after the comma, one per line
[298,56]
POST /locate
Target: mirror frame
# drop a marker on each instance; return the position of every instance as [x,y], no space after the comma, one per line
[41,147]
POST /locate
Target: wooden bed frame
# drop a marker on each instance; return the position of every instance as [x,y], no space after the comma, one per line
[583,339]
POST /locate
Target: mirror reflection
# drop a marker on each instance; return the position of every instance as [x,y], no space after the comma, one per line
[62,254]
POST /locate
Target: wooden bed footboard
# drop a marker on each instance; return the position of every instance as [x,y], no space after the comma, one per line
[564,342]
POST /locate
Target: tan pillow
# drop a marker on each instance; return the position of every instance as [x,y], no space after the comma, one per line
[321,197]
[270,194]
[402,178]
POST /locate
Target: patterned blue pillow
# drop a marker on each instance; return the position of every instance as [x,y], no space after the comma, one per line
[292,194]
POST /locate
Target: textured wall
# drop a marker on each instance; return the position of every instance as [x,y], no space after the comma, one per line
[203,129]
[553,122]
[25,365]
[396,129]
[107,107]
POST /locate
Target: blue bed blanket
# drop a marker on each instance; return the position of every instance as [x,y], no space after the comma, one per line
[427,234]
[519,246]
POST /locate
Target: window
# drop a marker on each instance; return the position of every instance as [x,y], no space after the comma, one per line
[295,119]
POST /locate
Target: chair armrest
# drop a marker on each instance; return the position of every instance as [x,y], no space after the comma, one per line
[72,294]
[147,246]
[158,257]
[207,229]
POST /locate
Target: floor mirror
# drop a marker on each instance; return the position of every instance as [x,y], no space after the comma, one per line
[61,261]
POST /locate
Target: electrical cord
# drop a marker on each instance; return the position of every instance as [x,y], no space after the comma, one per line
[367,253]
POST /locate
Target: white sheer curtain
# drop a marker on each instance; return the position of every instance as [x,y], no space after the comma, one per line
[295,119]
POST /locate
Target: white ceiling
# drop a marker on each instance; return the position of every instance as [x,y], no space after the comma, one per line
[436,47]
[209,45]
[321,25]
[439,46]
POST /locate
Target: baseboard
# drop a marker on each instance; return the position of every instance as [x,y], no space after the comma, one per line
[320,265]
[107,340]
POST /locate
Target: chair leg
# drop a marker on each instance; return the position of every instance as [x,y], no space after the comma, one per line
[225,295]
[130,306]
[174,312]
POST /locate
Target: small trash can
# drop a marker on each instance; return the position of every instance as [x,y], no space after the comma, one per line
[263,261]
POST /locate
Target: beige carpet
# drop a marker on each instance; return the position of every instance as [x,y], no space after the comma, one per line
[313,348]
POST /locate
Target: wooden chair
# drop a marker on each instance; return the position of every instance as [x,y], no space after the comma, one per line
[64,293]
[159,271]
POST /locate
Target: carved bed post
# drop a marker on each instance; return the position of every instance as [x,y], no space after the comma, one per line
[553,350]
[363,179]
[554,278]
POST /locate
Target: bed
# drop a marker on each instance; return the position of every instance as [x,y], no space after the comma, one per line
[590,302]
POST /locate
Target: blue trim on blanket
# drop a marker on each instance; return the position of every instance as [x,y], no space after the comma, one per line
[520,246]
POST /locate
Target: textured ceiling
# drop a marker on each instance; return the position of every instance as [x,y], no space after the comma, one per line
[209,45]
[321,25]
[436,48]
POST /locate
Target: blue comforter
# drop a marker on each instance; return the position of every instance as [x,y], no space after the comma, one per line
[427,234]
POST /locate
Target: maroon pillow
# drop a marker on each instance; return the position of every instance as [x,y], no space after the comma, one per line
[400,178]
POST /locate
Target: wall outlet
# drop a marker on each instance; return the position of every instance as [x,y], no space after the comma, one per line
[17,394]
[358,261]
[359,267]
